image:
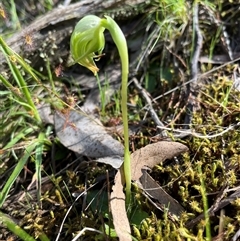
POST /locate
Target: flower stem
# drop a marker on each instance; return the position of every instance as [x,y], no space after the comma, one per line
[121,43]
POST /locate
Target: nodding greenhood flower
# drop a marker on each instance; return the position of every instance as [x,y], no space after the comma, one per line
[87,42]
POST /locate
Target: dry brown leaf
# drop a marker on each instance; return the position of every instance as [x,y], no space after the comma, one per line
[147,156]
[153,154]
[162,199]
[118,209]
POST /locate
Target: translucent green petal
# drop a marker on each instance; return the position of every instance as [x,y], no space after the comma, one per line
[86,40]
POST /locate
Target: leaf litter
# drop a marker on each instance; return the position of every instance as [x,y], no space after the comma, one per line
[86,136]
[141,160]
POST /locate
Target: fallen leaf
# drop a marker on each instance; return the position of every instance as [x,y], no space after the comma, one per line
[153,154]
[83,135]
[118,209]
[162,199]
[148,157]
[45,113]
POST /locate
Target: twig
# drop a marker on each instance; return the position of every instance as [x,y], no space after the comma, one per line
[84,230]
[152,112]
[190,132]
[192,91]
[191,80]
[70,208]
[214,208]
[68,211]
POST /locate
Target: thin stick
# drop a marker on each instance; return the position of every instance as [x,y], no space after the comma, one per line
[154,116]
[190,132]
[192,88]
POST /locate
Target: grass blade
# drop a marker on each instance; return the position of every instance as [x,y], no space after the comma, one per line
[17,230]
[16,172]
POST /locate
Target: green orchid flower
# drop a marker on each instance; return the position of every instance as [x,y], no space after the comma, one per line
[88,39]
[87,43]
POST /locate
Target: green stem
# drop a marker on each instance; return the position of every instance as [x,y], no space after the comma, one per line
[120,41]
[15,228]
